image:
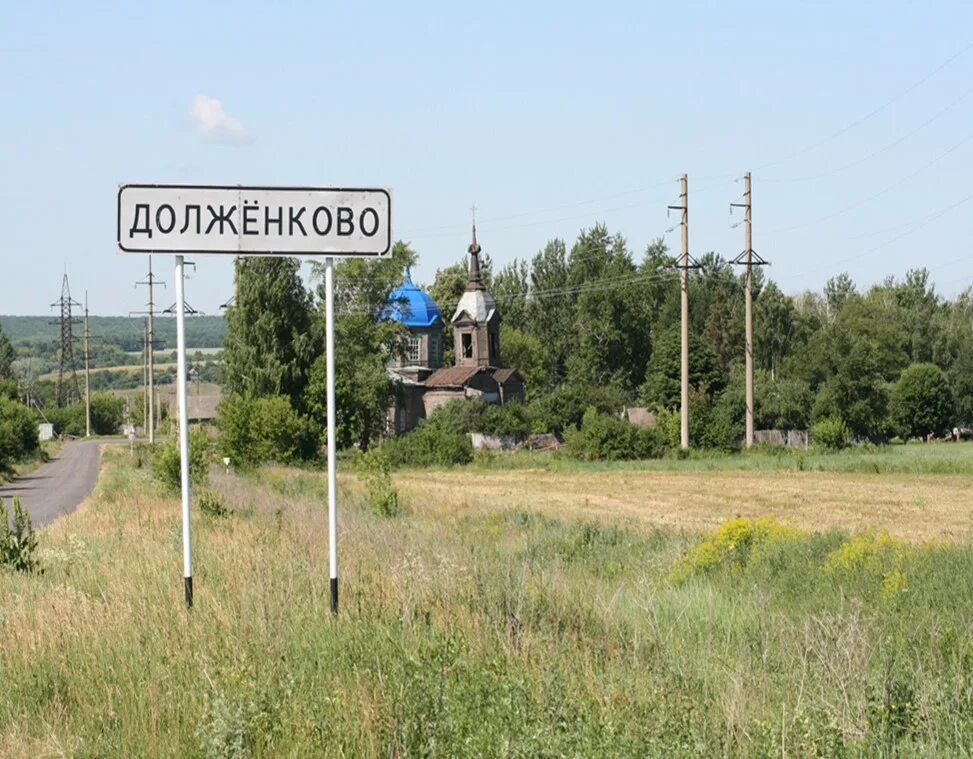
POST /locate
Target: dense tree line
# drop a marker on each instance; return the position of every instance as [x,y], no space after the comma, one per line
[594,325]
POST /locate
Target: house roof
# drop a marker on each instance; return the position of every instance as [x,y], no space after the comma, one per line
[453,376]
[202,407]
[502,376]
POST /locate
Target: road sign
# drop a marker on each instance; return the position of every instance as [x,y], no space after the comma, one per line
[255,221]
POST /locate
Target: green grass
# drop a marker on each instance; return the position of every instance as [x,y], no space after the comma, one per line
[914,458]
[509,634]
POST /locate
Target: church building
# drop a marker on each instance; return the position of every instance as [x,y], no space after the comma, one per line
[422,382]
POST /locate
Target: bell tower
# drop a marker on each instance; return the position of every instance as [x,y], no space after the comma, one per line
[476,323]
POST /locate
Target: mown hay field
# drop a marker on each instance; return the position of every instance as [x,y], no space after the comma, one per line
[913,507]
[526,613]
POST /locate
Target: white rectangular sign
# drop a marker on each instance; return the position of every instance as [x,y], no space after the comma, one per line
[254,221]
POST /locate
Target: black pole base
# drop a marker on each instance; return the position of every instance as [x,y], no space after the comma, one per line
[334,595]
[189,592]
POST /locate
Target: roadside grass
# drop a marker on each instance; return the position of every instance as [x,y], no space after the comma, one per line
[472,632]
[48,450]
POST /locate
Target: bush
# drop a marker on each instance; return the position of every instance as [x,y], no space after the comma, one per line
[831,434]
[212,504]
[257,430]
[429,445]
[737,544]
[565,407]
[464,416]
[609,438]
[460,416]
[511,420]
[18,544]
[376,470]
[18,433]
[107,415]
[717,425]
[166,464]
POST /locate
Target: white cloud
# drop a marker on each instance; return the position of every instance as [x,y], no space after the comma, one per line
[214,122]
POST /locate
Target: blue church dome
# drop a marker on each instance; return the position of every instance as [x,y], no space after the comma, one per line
[412,307]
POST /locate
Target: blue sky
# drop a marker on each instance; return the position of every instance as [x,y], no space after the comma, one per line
[550,117]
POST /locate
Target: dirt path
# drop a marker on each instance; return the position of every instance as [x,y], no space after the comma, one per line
[59,486]
[908,506]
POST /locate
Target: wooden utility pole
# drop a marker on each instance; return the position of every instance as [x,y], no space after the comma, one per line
[684,265]
[150,282]
[145,378]
[748,258]
[87,370]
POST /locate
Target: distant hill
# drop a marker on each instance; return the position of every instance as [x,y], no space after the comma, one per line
[35,335]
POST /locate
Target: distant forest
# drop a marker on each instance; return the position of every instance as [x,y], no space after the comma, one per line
[114,338]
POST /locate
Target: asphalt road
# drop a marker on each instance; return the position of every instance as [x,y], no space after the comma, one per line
[59,486]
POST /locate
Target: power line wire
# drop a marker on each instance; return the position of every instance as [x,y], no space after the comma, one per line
[878,152]
[870,114]
[880,193]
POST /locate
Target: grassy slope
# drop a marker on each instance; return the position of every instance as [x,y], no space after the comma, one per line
[471,634]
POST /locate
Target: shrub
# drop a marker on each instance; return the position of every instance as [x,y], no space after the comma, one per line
[463,416]
[18,544]
[873,562]
[609,438]
[376,469]
[565,407]
[736,544]
[429,445]
[831,434]
[212,504]
[18,433]
[166,464]
[511,420]
[868,554]
[460,416]
[107,415]
[717,425]
[257,430]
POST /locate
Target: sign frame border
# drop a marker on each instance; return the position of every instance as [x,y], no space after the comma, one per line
[279,253]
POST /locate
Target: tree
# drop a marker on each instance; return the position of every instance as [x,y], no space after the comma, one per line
[839,291]
[271,342]
[922,402]
[6,357]
[511,288]
[527,354]
[363,388]
[775,328]
[856,393]
[550,310]
[610,327]
[661,389]
[18,433]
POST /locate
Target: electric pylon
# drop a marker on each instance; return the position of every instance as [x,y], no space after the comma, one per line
[68,388]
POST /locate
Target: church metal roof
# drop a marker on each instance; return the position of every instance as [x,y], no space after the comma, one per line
[412,307]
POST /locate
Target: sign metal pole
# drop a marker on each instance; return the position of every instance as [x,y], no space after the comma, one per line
[187,539]
[332,445]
